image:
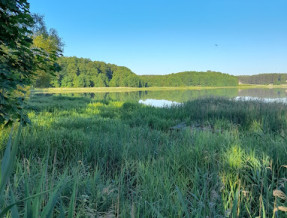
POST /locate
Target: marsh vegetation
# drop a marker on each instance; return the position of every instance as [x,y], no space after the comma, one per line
[86,147]
[89,157]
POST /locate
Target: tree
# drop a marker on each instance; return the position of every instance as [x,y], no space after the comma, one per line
[51,45]
[17,57]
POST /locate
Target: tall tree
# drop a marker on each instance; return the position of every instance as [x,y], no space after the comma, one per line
[49,42]
[17,58]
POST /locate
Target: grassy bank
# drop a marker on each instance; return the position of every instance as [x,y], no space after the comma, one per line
[108,158]
[118,89]
[131,89]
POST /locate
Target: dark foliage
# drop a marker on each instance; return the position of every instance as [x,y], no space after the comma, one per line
[264,79]
[17,59]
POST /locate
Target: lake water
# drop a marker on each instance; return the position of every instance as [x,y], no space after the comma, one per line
[173,97]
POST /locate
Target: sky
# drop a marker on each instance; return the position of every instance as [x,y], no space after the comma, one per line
[239,37]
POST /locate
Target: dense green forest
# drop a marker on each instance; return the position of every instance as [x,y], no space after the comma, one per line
[264,79]
[82,72]
[191,78]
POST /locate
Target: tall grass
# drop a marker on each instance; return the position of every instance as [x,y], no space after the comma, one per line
[82,158]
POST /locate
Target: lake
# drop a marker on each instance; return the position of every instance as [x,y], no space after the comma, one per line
[173,97]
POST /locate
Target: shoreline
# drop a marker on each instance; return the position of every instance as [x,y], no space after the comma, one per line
[135,89]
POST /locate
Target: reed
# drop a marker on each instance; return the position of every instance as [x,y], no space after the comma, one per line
[82,157]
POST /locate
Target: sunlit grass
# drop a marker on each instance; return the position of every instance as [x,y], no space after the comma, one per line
[104,158]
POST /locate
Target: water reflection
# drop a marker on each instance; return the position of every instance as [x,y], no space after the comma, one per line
[263,93]
[158,103]
[267,100]
[167,98]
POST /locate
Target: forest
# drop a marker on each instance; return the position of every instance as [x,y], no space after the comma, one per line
[264,79]
[191,78]
[82,72]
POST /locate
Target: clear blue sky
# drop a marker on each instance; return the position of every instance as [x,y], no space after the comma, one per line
[167,36]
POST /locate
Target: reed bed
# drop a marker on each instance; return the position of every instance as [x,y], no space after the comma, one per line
[87,158]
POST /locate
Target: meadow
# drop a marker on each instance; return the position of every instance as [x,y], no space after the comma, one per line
[209,157]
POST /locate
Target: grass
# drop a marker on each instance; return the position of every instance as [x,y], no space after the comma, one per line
[83,157]
[133,89]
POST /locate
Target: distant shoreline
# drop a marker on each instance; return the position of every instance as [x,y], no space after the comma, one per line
[135,89]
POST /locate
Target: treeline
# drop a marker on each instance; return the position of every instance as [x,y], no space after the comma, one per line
[82,72]
[264,79]
[191,78]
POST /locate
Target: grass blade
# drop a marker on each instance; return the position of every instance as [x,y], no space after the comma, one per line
[48,210]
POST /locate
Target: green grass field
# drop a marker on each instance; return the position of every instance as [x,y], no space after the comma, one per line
[87,158]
